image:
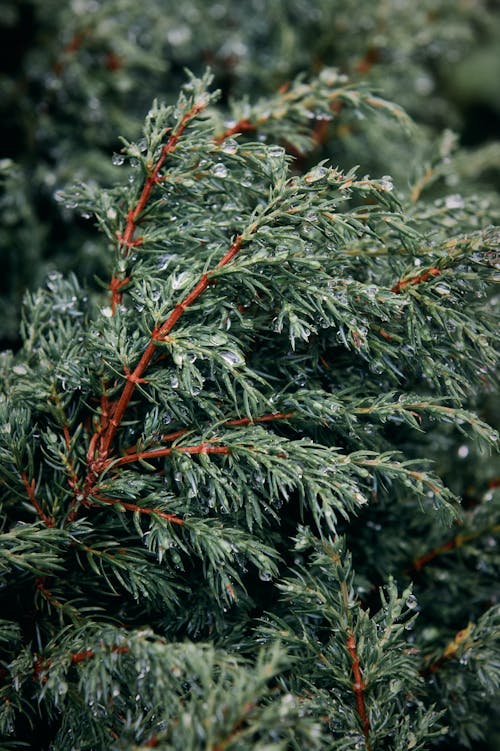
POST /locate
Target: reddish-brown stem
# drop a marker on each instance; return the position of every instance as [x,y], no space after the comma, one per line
[73,480]
[414,280]
[116,285]
[140,509]
[263,418]
[126,239]
[358,688]
[30,490]
[159,334]
[238,725]
[169,437]
[202,448]
[423,560]
[72,46]
[385,334]
[88,654]
[451,649]
[371,57]
[242,126]
[456,542]
[235,423]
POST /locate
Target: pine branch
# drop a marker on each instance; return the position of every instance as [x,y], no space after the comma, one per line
[159,334]
[119,503]
[30,490]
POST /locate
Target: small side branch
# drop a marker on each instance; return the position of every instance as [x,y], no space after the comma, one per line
[412,281]
[140,509]
[30,490]
[457,541]
[358,688]
[126,240]
[202,448]
[263,418]
[159,334]
[88,654]
[242,126]
[451,649]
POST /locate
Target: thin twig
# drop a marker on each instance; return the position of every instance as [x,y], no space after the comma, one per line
[30,490]
[414,280]
[358,687]
[140,509]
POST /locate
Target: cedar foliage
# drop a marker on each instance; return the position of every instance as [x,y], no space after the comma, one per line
[227,518]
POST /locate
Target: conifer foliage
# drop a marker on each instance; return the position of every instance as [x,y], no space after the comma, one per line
[215,484]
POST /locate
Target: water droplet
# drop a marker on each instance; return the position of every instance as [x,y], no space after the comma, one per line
[107,312]
[117,159]
[454,202]
[265,575]
[411,602]
[394,686]
[247,179]
[20,369]
[230,146]
[62,688]
[317,173]
[463,451]
[442,289]
[181,280]
[386,183]
[232,358]
[275,152]
[377,367]
[219,170]
[179,35]
[165,260]
[329,76]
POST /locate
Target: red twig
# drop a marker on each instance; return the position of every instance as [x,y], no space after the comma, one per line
[414,280]
[420,562]
[358,688]
[263,418]
[159,334]
[30,490]
[202,448]
[73,480]
[88,654]
[234,423]
[116,285]
[72,46]
[140,509]
[456,542]
[451,649]
[242,126]
[126,240]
